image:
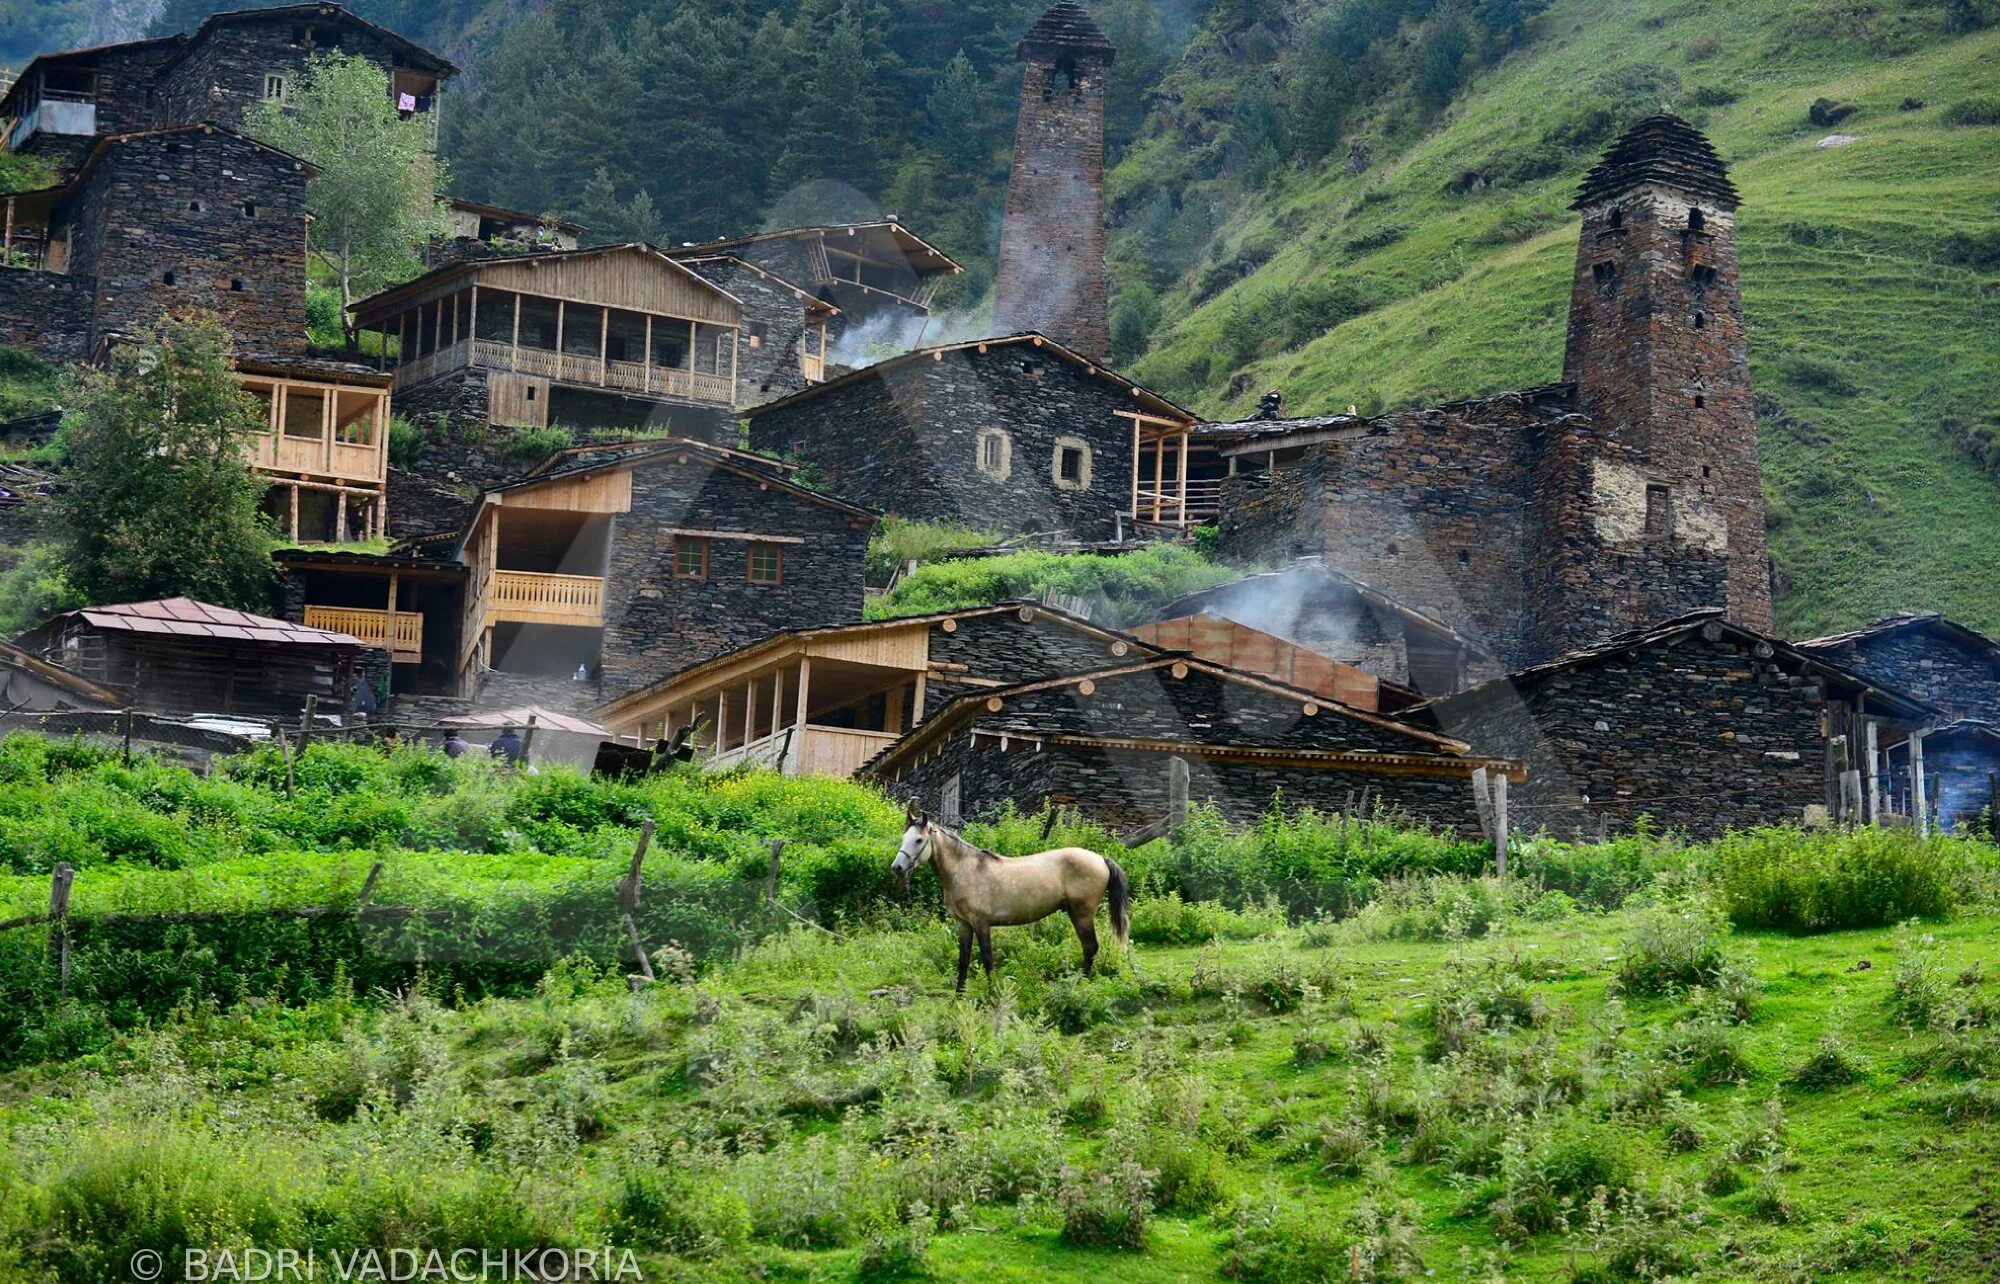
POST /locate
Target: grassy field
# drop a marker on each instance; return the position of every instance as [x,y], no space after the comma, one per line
[1334,1051]
[1869,269]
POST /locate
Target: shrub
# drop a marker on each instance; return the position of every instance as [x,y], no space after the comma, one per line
[1274,1241]
[1836,879]
[899,1250]
[1920,990]
[1105,1209]
[529,445]
[1559,1169]
[1972,111]
[1125,588]
[1832,1065]
[899,541]
[1676,944]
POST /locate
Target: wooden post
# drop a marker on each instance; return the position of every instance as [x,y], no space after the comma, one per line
[306,725]
[561,311]
[368,884]
[128,737]
[604,348]
[514,357]
[628,887]
[1183,482]
[1874,763]
[750,712]
[805,682]
[1920,802]
[1837,749]
[735,342]
[645,976]
[1159,474]
[295,512]
[647,382]
[1135,469]
[771,877]
[59,885]
[528,743]
[1500,824]
[778,706]
[9,251]
[472,323]
[1177,793]
[1482,801]
[340,517]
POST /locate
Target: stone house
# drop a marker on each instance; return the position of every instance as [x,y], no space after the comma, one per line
[1337,616]
[628,564]
[823,701]
[1939,661]
[475,230]
[1698,723]
[189,217]
[1102,742]
[786,328]
[1545,520]
[615,337]
[881,276]
[63,101]
[1961,766]
[1010,434]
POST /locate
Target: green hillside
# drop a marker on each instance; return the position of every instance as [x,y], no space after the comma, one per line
[1869,269]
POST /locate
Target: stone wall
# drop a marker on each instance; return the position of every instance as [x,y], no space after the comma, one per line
[462,399]
[1005,648]
[1701,736]
[775,323]
[47,313]
[657,624]
[1051,275]
[1962,767]
[907,438]
[555,693]
[222,74]
[1955,676]
[419,507]
[195,219]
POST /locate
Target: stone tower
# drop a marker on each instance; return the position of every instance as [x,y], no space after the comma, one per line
[1051,276]
[1651,504]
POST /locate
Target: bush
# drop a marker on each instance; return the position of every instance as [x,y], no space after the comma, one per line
[1674,945]
[528,445]
[1832,1065]
[1274,1241]
[1972,111]
[1124,589]
[899,541]
[1105,1209]
[1834,880]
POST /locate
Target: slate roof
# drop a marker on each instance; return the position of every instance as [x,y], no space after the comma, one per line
[1899,622]
[1661,149]
[1066,27]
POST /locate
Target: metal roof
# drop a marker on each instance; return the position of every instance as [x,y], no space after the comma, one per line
[185,617]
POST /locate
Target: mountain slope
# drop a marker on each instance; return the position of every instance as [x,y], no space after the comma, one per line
[1871,270]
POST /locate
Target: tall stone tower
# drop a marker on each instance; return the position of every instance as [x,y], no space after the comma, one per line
[1651,504]
[1051,276]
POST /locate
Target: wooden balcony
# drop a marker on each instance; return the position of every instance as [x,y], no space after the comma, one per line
[571,368]
[401,633]
[823,751]
[1163,507]
[530,597]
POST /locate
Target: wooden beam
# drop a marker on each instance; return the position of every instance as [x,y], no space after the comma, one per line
[604,346]
[1135,469]
[1183,481]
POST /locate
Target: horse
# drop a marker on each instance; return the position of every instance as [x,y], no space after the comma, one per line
[984,890]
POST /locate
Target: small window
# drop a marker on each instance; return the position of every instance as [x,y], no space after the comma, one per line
[1659,511]
[767,564]
[194,206]
[1695,220]
[995,458]
[1699,401]
[170,277]
[1700,321]
[236,284]
[757,332]
[274,87]
[1071,466]
[249,209]
[1617,219]
[1703,275]
[531,394]
[1392,550]
[1464,558]
[690,558]
[950,803]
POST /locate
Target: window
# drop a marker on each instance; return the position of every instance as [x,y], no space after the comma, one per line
[249,209]
[274,86]
[995,457]
[690,558]
[1070,467]
[1699,401]
[767,564]
[1659,511]
[1703,275]
[170,277]
[195,206]
[236,284]
[1700,321]
[757,332]
[1617,219]
[949,804]
[1695,220]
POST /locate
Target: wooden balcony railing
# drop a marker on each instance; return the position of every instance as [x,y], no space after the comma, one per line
[625,376]
[839,752]
[401,633]
[530,597]
[1204,499]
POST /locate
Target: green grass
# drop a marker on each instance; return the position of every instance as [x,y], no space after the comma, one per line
[1123,590]
[1333,1051]
[1868,274]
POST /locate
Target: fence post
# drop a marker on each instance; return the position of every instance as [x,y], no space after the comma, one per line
[628,887]
[771,879]
[128,737]
[1920,802]
[1500,824]
[1177,794]
[59,885]
[306,725]
[368,885]
[528,743]
[1482,801]
[1873,750]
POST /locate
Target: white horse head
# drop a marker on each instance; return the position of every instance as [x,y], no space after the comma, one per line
[916,846]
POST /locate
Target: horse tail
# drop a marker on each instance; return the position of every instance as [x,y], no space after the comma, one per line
[1120,891]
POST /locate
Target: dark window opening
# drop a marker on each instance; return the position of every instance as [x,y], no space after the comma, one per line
[299,35]
[1704,472]
[531,393]
[1703,275]
[1695,220]
[1605,274]
[1699,401]
[1464,558]
[249,209]
[1069,463]
[1659,511]
[1062,80]
[236,284]
[170,277]
[1617,218]
[195,205]
[1700,321]
[1393,550]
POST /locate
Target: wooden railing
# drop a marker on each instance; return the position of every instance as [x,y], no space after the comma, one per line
[282,453]
[627,376]
[401,633]
[767,751]
[1204,499]
[432,364]
[813,368]
[838,751]
[530,597]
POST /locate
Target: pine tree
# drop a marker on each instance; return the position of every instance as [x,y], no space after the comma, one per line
[958,118]
[833,132]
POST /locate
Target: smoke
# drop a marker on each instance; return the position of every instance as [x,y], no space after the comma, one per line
[891,334]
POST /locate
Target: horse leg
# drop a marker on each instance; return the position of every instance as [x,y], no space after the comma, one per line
[964,953]
[986,950]
[1086,933]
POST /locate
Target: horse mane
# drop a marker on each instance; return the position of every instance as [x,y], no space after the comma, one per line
[962,841]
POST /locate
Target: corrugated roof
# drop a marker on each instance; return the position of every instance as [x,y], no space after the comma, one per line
[185,617]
